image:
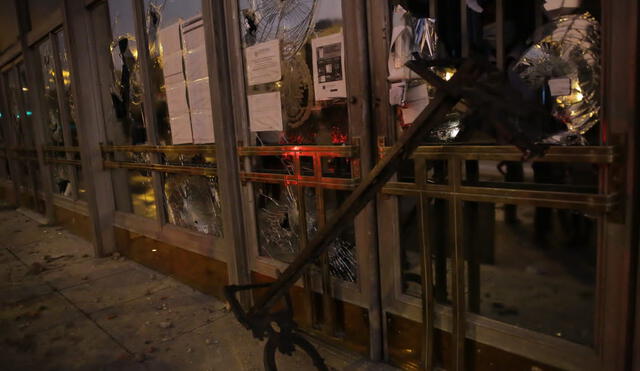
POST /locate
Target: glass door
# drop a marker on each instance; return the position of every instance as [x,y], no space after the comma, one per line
[489,260]
[301,129]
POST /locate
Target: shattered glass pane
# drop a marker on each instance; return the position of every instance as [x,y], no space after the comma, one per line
[126,92]
[280,227]
[186,159]
[62,179]
[193,202]
[53,124]
[69,101]
[277,216]
[343,263]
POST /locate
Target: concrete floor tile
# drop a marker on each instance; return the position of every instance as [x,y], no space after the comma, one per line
[44,329]
[151,320]
[113,290]
[11,294]
[226,345]
[64,274]
[16,233]
[36,314]
[17,283]
[73,345]
[222,345]
[64,248]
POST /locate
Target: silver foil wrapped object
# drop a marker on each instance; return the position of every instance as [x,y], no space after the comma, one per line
[569,48]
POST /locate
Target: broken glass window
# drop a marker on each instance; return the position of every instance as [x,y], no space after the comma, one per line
[53,124]
[69,101]
[193,202]
[62,180]
[126,92]
[280,227]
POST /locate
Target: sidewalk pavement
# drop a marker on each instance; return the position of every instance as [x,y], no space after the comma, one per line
[61,309]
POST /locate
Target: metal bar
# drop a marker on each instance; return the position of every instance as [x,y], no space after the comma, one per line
[427,285]
[205,148]
[175,169]
[360,197]
[326,151]
[328,304]
[558,200]
[459,309]
[61,149]
[585,154]
[50,160]
[308,181]
[500,47]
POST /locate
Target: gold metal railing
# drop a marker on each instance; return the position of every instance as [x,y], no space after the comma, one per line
[51,158]
[297,176]
[208,169]
[542,195]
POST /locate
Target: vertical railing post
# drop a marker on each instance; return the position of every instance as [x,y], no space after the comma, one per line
[86,89]
[228,162]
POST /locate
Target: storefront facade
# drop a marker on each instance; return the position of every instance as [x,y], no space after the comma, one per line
[211,140]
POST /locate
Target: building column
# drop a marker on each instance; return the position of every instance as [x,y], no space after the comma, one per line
[91,134]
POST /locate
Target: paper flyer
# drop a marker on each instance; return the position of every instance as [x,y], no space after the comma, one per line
[175,87]
[195,60]
[265,112]
[263,63]
[328,67]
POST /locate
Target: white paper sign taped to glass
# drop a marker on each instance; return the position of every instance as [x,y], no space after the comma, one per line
[263,63]
[175,87]
[197,76]
[265,112]
[560,87]
[328,67]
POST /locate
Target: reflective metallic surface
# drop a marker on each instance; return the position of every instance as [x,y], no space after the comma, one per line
[569,48]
